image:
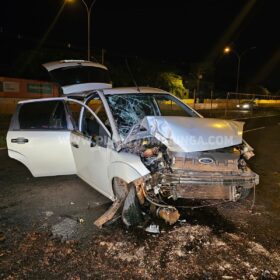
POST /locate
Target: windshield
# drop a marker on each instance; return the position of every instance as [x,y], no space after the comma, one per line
[130,109]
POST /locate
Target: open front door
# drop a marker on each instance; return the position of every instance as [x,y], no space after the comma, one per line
[91,143]
[39,137]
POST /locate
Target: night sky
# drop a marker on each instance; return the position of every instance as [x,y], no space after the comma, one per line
[185,31]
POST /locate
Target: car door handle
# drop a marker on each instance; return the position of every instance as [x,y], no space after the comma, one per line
[75,145]
[19,140]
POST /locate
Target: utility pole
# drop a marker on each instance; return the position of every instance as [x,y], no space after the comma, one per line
[238,56]
[88,9]
[198,78]
[88,23]
[102,55]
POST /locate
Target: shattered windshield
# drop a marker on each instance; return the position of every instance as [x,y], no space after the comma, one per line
[130,109]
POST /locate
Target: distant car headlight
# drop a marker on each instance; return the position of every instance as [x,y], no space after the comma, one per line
[245,106]
[237,105]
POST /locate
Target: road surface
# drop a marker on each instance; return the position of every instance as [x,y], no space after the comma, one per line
[66,206]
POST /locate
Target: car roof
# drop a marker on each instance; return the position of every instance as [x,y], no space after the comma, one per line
[129,90]
[120,90]
[111,91]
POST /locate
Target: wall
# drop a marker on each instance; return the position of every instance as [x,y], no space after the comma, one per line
[28,89]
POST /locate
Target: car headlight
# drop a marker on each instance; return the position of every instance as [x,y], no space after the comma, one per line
[245,106]
[237,105]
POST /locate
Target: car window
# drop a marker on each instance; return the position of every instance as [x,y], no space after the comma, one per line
[74,110]
[49,115]
[90,126]
[80,74]
[170,108]
[96,105]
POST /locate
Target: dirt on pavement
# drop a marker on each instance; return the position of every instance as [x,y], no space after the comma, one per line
[185,251]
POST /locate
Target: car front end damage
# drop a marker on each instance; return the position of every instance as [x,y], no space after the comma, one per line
[219,174]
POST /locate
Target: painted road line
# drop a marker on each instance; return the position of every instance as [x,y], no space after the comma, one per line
[253,129]
[257,117]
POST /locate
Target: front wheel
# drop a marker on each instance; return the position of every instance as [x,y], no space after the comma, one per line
[131,211]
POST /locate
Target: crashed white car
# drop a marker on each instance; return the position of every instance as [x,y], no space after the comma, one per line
[141,147]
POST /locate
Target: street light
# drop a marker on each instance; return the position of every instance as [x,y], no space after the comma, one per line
[88,8]
[228,50]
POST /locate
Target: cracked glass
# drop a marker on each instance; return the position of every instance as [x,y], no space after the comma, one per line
[130,109]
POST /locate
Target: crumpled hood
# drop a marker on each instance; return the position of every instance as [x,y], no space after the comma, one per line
[188,134]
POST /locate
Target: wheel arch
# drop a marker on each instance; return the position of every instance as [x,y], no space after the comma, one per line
[125,172]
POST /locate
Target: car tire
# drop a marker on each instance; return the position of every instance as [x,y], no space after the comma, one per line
[131,213]
[120,188]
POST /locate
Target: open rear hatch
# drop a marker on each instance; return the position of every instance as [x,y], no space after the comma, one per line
[77,76]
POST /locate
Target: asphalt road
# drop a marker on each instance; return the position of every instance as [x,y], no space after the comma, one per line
[40,203]
[228,241]
[68,206]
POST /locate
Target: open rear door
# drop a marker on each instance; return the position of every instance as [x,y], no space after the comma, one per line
[39,137]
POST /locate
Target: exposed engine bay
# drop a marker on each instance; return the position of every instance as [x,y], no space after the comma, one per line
[220,175]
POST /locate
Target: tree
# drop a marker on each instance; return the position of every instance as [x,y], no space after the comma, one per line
[172,83]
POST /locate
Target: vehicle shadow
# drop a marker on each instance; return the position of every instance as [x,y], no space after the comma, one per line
[207,216]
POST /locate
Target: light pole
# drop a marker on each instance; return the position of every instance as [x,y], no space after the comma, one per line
[238,55]
[88,9]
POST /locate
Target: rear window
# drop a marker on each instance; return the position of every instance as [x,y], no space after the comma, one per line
[43,115]
[80,75]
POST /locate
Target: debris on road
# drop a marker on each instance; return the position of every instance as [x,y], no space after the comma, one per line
[2,237]
[152,229]
[49,213]
[65,229]
[109,214]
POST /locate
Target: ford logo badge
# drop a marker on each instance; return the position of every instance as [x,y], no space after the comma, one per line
[206,160]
